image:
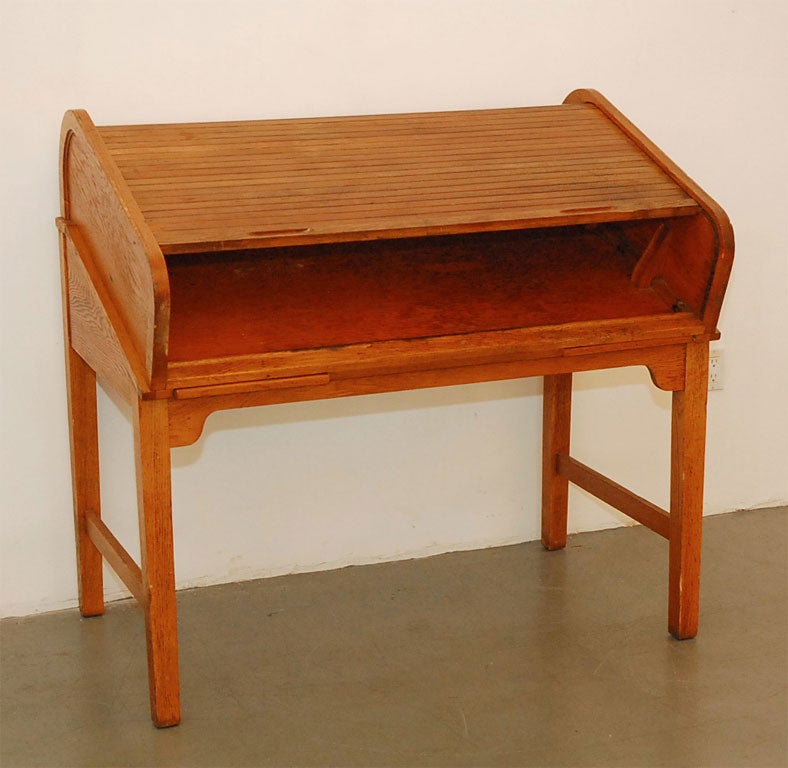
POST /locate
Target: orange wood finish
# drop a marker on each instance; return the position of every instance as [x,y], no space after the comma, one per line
[688,451]
[615,495]
[152,451]
[209,266]
[116,556]
[217,186]
[83,432]
[127,257]
[556,431]
[93,324]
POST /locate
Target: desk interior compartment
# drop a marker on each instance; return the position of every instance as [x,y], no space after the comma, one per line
[251,302]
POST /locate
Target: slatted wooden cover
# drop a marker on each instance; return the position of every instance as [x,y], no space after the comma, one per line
[219,186]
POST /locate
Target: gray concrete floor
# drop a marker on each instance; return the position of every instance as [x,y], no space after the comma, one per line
[502,657]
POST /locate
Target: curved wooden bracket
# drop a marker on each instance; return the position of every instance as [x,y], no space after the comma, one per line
[668,377]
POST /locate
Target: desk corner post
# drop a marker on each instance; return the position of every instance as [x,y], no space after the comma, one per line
[688,443]
[152,452]
[556,427]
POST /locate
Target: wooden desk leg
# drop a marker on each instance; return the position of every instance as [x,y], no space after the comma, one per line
[151,436]
[555,440]
[688,446]
[83,430]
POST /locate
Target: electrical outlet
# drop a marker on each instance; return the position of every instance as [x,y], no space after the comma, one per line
[715,369]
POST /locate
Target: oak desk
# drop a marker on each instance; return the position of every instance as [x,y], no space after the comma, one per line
[223,265]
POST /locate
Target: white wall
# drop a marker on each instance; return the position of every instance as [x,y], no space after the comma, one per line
[317,485]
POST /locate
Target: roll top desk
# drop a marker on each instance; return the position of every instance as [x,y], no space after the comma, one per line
[209,266]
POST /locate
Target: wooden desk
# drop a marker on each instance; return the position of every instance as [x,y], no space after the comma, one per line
[223,265]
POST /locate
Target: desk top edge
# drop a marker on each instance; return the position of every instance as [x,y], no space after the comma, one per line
[349,118]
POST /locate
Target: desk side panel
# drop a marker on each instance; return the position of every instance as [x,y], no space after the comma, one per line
[696,256]
[92,328]
[124,256]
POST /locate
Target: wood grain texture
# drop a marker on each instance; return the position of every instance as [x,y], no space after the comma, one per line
[94,324]
[578,340]
[207,187]
[187,415]
[339,294]
[152,450]
[719,253]
[556,431]
[246,387]
[632,505]
[684,262]
[329,257]
[83,435]
[116,556]
[95,198]
[688,450]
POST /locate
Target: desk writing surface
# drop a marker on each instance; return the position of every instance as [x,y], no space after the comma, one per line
[223,186]
[337,294]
